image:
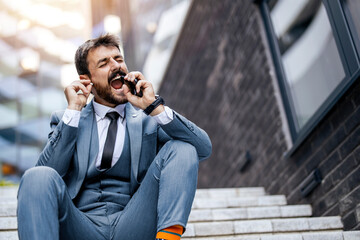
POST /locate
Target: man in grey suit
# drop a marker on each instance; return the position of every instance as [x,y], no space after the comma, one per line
[120,167]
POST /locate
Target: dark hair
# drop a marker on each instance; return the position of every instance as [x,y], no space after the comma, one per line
[83,51]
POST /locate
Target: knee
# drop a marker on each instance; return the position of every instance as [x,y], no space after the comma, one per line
[38,179]
[184,153]
[39,175]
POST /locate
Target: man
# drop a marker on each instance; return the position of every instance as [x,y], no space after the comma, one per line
[121,167]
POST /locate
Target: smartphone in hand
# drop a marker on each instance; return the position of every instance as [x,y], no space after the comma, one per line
[131,86]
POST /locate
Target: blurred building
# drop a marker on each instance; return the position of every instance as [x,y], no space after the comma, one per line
[37,44]
[276,84]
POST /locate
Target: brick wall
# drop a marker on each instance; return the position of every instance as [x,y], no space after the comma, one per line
[220,77]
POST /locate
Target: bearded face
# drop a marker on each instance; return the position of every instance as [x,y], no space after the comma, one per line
[106,65]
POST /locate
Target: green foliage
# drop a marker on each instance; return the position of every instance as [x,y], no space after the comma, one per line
[4,183]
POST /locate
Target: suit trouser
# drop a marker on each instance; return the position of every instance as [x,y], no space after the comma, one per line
[164,198]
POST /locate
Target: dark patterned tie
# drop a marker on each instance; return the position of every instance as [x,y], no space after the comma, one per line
[110,141]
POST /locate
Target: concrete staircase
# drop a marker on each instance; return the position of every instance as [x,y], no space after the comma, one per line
[228,214]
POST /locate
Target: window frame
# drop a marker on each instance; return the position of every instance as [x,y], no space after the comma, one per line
[343,33]
[355,34]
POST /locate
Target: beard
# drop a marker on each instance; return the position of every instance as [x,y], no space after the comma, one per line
[105,93]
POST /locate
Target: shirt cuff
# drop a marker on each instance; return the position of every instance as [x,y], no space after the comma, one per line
[71,117]
[164,117]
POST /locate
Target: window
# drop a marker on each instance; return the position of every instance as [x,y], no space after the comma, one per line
[352,7]
[314,50]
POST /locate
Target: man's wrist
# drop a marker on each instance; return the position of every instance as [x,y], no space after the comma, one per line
[159,109]
[164,117]
[75,107]
[71,117]
[157,106]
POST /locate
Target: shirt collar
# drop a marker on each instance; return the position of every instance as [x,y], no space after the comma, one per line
[102,110]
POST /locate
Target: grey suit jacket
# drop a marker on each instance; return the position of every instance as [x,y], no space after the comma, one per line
[69,149]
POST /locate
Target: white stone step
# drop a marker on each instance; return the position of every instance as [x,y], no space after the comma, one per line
[8,223]
[11,192]
[8,194]
[232,202]
[230,192]
[8,191]
[8,209]
[238,227]
[10,235]
[337,235]
[329,235]
[263,226]
[203,215]
[228,214]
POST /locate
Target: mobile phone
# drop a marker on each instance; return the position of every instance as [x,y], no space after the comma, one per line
[131,86]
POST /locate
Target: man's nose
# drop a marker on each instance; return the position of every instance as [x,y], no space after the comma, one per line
[114,64]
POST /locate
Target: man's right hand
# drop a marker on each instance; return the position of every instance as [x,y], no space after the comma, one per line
[77,100]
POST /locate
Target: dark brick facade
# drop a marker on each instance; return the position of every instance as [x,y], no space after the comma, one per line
[220,77]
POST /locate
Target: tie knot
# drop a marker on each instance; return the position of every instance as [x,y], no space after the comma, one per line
[113,115]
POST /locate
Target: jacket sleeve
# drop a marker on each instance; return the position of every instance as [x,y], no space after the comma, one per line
[182,129]
[60,145]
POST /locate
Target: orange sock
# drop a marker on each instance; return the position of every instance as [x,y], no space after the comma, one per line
[171,233]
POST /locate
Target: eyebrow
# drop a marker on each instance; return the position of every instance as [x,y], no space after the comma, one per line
[106,59]
[102,60]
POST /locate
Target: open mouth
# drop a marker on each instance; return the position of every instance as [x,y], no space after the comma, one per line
[117,82]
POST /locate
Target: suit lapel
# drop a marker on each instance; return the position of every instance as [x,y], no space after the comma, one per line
[83,145]
[134,126]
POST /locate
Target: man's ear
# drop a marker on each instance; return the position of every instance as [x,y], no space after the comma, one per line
[84,77]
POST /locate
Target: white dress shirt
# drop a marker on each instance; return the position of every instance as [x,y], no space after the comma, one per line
[72,118]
